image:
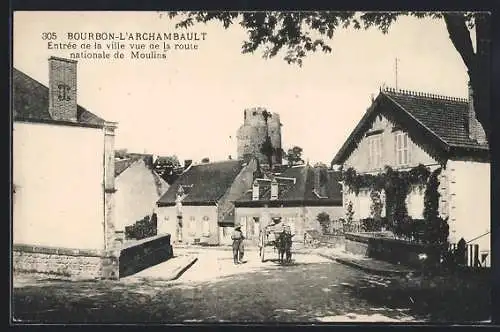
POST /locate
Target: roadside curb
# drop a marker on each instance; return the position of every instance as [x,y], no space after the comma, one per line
[183,268]
[363,267]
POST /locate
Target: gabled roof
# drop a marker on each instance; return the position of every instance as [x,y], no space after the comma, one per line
[30,102]
[438,120]
[203,184]
[300,192]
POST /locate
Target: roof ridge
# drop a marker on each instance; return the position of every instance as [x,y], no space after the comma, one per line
[423,94]
[217,162]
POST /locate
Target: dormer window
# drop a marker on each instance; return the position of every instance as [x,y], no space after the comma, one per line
[255,191]
[274,190]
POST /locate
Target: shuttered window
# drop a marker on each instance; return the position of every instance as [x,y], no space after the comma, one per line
[402,149]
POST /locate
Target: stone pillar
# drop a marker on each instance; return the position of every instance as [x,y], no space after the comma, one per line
[109,185]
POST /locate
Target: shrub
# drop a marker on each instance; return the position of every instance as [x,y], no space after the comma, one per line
[324,220]
[142,229]
[373,224]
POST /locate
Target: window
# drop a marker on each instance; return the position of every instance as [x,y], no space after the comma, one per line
[402,151]
[375,151]
[206,227]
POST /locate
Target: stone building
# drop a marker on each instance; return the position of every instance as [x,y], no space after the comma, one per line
[403,129]
[208,191]
[63,179]
[258,124]
[295,196]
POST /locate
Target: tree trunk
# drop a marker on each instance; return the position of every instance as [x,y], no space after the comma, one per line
[478,64]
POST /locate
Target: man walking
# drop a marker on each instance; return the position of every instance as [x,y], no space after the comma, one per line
[237,238]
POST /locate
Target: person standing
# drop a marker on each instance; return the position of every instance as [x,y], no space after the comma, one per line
[237,238]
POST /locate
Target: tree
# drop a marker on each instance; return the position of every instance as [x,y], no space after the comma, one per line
[294,156]
[166,168]
[273,31]
[121,153]
[267,150]
[324,220]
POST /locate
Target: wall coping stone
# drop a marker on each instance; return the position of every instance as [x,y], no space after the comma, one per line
[367,237]
[143,241]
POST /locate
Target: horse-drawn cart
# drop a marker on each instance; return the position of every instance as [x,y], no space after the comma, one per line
[275,236]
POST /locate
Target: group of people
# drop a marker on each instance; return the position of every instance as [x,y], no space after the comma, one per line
[238,242]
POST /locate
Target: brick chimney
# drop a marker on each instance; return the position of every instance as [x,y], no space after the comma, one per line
[476,131]
[62,89]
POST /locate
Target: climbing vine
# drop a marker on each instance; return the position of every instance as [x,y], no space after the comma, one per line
[397,185]
[436,228]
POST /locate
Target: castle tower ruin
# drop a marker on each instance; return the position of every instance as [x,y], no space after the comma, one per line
[252,134]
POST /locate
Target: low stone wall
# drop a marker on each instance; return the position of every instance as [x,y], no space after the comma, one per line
[64,262]
[137,256]
[378,246]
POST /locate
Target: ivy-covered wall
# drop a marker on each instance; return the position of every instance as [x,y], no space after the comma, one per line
[395,186]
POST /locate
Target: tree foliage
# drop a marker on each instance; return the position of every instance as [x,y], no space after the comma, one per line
[294,156]
[300,33]
[324,221]
[166,167]
[268,150]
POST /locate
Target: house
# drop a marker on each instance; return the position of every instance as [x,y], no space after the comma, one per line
[63,178]
[403,129]
[207,192]
[295,196]
[138,189]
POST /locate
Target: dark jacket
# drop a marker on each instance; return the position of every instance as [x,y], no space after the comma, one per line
[237,235]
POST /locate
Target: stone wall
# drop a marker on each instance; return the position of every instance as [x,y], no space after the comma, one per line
[376,245]
[65,263]
[145,253]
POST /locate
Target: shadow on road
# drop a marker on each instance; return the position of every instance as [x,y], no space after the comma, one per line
[301,292]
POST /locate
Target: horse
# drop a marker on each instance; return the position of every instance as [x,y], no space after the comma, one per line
[284,245]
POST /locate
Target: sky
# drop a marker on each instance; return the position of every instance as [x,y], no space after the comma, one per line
[191,104]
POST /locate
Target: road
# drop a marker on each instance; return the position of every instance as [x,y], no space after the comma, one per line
[312,289]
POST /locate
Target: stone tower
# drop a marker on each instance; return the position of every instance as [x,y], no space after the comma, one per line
[252,134]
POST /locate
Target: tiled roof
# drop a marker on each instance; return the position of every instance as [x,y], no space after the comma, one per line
[203,183]
[445,117]
[440,120]
[302,191]
[30,101]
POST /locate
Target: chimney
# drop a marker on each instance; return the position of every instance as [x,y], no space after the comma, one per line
[274,190]
[476,131]
[62,89]
[255,191]
[316,179]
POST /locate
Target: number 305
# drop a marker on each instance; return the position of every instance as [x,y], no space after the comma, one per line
[49,36]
